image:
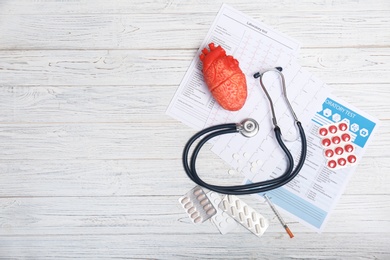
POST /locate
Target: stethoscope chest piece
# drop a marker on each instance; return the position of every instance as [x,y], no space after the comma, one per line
[248,127]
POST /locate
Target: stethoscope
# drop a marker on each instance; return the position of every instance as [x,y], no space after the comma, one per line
[248,128]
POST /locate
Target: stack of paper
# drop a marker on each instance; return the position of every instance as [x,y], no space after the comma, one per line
[312,195]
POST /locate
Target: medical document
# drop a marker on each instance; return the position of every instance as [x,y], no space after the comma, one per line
[313,194]
[252,43]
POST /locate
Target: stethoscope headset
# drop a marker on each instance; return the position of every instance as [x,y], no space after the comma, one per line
[248,128]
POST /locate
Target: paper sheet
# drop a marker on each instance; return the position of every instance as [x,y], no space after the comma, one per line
[254,44]
[312,195]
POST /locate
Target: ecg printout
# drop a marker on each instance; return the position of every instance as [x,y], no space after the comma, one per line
[255,45]
[306,94]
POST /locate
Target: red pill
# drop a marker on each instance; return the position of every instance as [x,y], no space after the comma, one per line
[326,142]
[333,129]
[332,164]
[339,150]
[341,161]
[351,158]
[329,153]
[345,137]
[336,139]
[348,148]
[343,126]
[323,131]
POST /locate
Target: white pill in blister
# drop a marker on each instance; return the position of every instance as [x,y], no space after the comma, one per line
[246,211]
[201,197]
[249,223]
[211,211]
[184,200]
[197,192]
[195,215]
[241,216]
[257,228]
[207,206]
[236,156]
[234,212]
[254,217]
[238,204]
[188,205]
[191,210]
[225,205]
[262,222]
[204,202]
[198,219]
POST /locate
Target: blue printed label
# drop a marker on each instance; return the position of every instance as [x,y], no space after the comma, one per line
[359,125]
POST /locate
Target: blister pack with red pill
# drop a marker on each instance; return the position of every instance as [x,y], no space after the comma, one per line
[339,150]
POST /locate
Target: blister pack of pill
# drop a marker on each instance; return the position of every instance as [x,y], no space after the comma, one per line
[339,150]
[221,219]
[197,205]
[244,214]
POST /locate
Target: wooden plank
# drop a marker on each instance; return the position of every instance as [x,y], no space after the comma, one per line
[178,7]
[53,104]
[111,141]
[159,214]
[138,31]
[133,103]
[167,67]
[153,177]
[91,141]
[187,246]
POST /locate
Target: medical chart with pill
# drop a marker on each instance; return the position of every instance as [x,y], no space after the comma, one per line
[336,133]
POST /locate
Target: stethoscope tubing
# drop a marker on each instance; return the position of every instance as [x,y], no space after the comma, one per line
[251,188]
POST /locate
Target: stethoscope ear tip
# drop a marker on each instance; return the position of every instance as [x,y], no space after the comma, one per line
[258,74]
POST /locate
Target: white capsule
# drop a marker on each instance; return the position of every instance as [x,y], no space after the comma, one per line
[258,228]
[188,205]
[234,212]
[201,197]
[184,200]
[204,201]
[195,215]
[254,217]
[198,219]
[210,211]
[249,223]
[207,206]
[241,216]
[197,192]
[246,210]
[262,222]
[238,204]
[225,205]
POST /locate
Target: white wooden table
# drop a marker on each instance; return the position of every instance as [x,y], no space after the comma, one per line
[90,165]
